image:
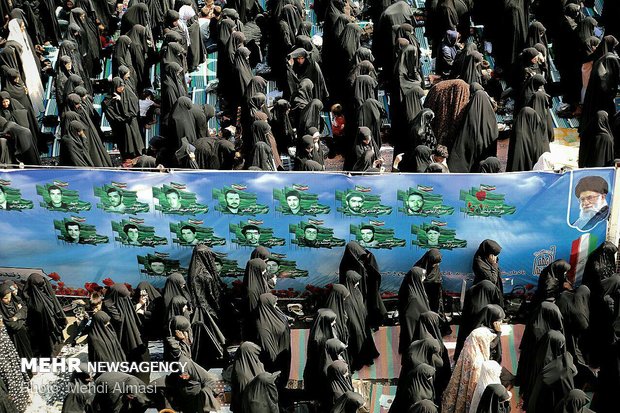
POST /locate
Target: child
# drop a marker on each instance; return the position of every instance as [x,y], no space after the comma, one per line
[148,110]
[338,130]
[338,121]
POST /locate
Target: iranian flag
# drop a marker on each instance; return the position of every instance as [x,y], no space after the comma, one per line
[580,249]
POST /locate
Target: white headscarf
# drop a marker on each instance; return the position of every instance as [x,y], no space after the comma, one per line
[460,391]
[546,162]
[489,374]
[31,69]
[186,13]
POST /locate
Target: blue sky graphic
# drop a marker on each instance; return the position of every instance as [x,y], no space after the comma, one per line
[545,204]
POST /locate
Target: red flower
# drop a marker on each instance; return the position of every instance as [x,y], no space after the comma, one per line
[54,276]
[108,282]
[91,287]
[481,195]
[61,284]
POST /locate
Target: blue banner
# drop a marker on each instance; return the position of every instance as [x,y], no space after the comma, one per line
[91,225]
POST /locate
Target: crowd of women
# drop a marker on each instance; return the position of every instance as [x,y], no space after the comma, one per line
[571,332]
[570,343]
[341,70]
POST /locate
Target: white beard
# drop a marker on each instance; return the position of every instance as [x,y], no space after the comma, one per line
[586,216]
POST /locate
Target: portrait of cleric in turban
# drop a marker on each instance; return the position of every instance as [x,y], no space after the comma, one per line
[590,194]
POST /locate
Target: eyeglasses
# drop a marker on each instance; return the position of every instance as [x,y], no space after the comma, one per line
[588,199]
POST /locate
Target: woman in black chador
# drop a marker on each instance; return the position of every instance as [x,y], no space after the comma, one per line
[424,351]
[132,399]
[181,123]
[126,323]
[16,112]
[553,384]
[173,86]
[362,261]
[529,141]
[575,309]
[122,56]
[601,264]
[193,390]
[603,84]
[261,395]
[274,337]
[205,289]
[150,308]
[339,381]
[121,109]
[429,328]
[432,279]
[46,319]
[349,402]
[477,298]
[179,337]
[14,314]
[96,150]
[14,85]
[485,265]
[605,308]
[175,286]
[103,344]
[179,305]
[361,346]
[323,329]
[22,144]
[337,302]
[477,138]
[281,125]
[246,366]
[495,399]
[491,317]
[415,386]
[412,302]
[545,318]
[74,145]
[551,281]
[254,284]
[596,148]
[364,153]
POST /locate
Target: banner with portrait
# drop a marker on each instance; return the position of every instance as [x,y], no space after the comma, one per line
[90,225]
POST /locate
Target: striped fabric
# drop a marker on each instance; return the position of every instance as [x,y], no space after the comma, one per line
[299,345]
[387,366]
